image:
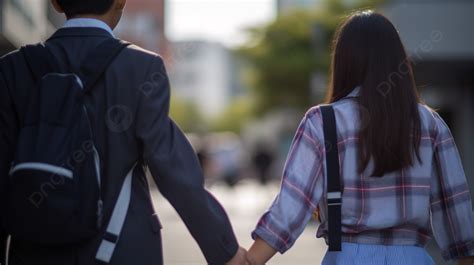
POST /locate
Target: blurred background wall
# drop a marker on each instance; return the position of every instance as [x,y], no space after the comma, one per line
[25,21]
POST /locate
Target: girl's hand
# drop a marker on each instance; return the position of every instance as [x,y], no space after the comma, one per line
[240,258]
[260,253]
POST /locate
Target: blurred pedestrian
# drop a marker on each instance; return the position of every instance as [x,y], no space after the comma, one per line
[203,157]
[263,160]
[90,200]
[402,178]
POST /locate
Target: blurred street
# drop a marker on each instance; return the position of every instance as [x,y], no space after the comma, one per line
[245,204]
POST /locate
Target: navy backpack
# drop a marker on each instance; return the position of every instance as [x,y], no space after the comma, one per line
[54,190]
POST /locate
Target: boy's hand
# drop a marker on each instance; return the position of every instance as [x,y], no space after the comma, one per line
[240,258]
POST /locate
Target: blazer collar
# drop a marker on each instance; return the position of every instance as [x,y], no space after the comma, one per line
[81,32]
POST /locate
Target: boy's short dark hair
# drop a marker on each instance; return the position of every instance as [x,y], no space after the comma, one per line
[80,7]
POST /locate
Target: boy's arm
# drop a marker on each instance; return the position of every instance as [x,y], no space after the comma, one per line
[8,134]
[177,172]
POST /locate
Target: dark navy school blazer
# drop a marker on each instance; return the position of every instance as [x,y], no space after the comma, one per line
[129,110]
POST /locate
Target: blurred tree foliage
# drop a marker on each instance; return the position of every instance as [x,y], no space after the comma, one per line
[286,53]
[239,112]
[187,115]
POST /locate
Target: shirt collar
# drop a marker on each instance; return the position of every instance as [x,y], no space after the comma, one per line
[354,93]
[88,23]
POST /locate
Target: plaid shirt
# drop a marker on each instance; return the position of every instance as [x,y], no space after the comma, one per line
[407,207]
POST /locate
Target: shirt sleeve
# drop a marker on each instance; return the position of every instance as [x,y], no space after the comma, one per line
[301,190]
[452,217]
[177,173]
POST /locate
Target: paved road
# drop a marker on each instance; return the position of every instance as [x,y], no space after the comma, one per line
[245,204]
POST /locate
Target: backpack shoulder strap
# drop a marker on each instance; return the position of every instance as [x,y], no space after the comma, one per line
[98,61]
[114,228]
[39,59]
[334,195]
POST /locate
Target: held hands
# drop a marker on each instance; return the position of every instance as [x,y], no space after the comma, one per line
[245,258]
[240,258]
[259,254]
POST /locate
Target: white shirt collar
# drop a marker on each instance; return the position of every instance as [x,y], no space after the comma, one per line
[354,93]
[87,23]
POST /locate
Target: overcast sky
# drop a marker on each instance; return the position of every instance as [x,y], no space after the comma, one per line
[216,20]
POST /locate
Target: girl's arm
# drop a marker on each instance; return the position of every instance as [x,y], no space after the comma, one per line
[452,217]
[260,252]
[301,189]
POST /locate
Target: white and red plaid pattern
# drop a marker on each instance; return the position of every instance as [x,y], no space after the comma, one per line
[407,207]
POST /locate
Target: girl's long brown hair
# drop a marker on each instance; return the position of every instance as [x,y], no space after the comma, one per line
[369,54]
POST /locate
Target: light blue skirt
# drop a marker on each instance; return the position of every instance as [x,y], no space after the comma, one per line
[362,254]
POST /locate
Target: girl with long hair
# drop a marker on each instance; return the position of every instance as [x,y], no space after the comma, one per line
[402,178]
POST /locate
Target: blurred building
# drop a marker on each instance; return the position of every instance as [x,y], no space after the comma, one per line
[143,23]
[29,21]
[25,21]
[284,6]
[202,73]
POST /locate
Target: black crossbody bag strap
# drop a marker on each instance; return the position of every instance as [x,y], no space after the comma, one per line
[334,194]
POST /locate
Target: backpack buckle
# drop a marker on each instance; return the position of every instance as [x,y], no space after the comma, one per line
[334,198]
